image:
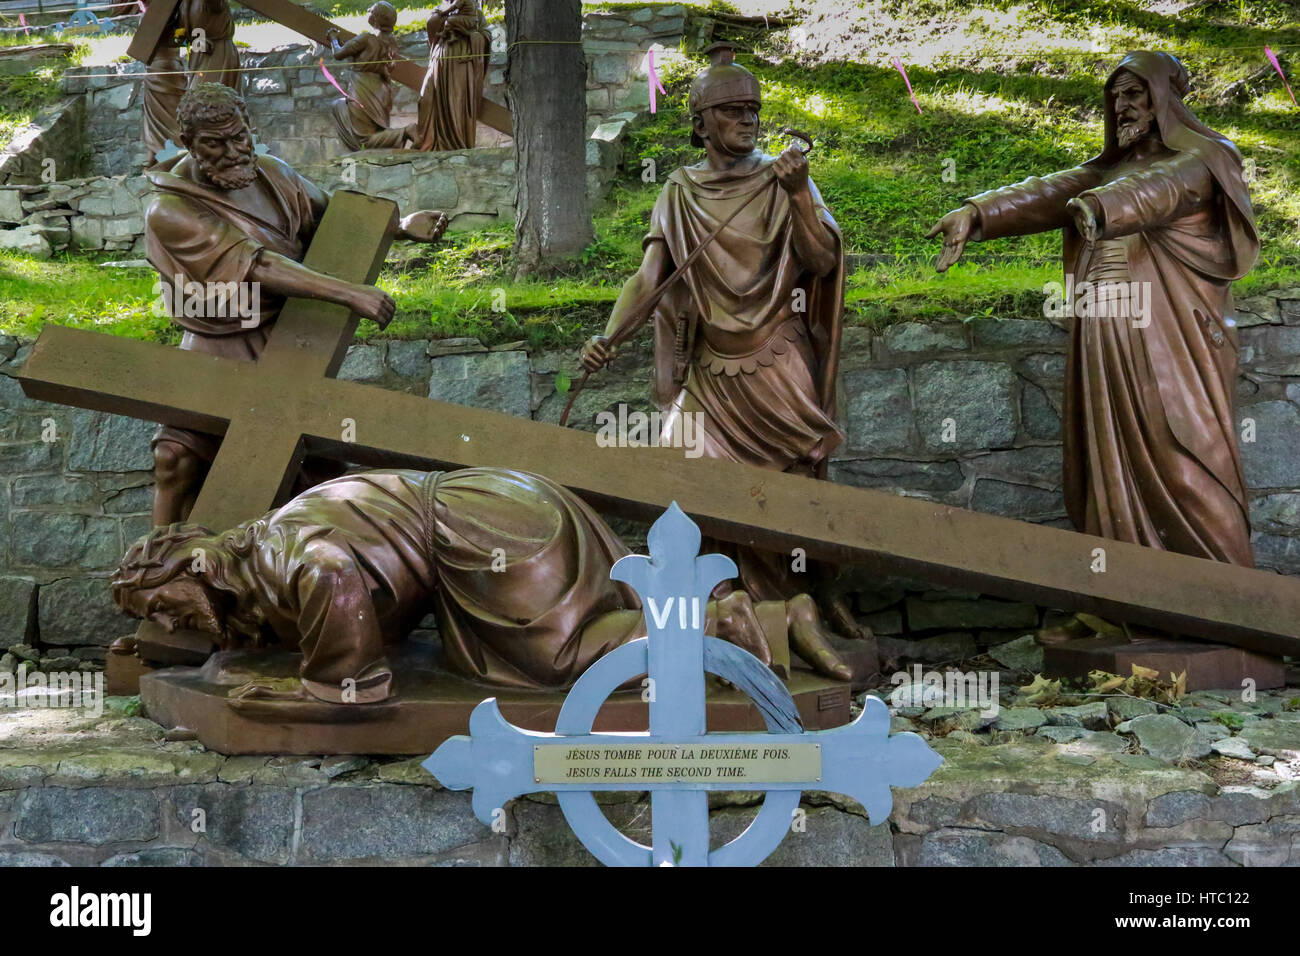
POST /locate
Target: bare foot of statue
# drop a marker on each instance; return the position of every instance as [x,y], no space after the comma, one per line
[811,641]
[839,616]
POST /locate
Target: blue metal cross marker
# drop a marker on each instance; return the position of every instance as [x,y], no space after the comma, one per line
[678,761]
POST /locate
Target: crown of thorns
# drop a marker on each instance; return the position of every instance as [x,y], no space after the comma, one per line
[156,552]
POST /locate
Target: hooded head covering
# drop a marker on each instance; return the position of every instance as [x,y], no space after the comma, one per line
[1179,129]
[723,81]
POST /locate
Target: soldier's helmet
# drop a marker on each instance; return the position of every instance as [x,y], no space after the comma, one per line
[722,81]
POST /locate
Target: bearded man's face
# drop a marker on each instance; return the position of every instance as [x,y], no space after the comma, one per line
[224,154]
[1134,113]
[182,602]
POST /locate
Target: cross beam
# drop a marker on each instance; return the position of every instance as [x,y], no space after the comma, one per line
[950,546]
[299,19]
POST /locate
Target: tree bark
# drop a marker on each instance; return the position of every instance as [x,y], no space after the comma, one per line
[547,89]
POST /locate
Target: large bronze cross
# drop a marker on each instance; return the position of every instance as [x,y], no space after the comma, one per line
[154,22]
[273,410]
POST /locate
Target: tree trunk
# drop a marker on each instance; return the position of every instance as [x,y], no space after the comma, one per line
[547,90]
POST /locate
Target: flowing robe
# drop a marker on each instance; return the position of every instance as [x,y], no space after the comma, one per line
[195,231]
[453,85]
[164,85]
[731,349]
[515,567]
[363,121]
[216,60]
[1150,448]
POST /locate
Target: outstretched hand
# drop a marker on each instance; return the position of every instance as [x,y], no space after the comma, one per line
[956,227]
[1085,219]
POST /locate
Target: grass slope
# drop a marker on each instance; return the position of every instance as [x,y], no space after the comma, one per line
[1006,90]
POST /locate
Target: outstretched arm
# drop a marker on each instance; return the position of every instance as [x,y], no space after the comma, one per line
[1037,204]
[285,277]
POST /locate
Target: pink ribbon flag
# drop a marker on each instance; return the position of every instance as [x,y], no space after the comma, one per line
[1272,58]
[335,83]
[653,81]
[23,20]
[898,65]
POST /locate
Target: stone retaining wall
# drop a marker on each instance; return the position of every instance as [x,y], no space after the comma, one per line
[112,792]
[289,97]
[97,132]
[70,506]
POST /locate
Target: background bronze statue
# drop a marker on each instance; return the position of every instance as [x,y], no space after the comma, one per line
[210,29]
[515,567]
[164,85]
[459,46]
[226,218]
[364,119]
[747,342]
[1151,454]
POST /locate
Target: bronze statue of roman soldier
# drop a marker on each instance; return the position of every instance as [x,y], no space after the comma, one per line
[747,342]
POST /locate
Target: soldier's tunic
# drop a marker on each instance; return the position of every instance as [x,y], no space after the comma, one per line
[761,359]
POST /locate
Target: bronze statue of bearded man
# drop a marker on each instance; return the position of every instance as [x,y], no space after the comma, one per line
[515,568]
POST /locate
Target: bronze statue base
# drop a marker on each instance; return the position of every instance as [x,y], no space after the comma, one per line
[1208,666]
[431,705]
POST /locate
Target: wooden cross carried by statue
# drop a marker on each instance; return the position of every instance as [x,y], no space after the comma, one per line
[273,411]
[153,24]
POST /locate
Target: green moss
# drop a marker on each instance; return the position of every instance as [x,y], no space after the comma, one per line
[22,97]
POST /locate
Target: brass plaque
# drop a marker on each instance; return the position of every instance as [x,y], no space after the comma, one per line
[678,763]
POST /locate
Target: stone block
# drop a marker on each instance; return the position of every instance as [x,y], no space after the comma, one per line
[1013,333]
[54,540]
[104,442]
[924,476]
[46,490]
[363,363]
[978,398]
[17,610]
[1041,420]
[878,416]
[1016,500]
[384,822]
[960,847]
[1272,460]
[436,189]
[1276,552]
[11,206]
[27,240]
[80,611]
[91,815]
[924,337]
[409,359]
[496,380]
[254,823]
